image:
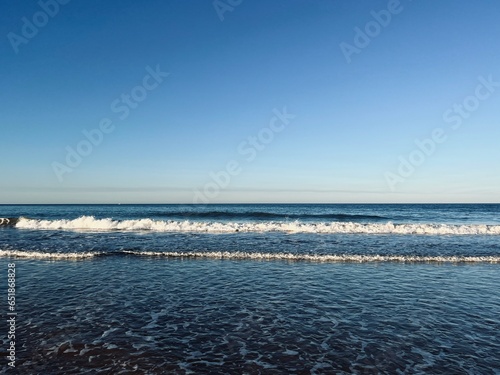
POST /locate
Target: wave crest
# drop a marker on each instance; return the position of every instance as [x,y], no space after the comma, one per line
[261,215]
[108,224]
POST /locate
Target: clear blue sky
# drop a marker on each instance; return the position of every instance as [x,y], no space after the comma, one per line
[353,121]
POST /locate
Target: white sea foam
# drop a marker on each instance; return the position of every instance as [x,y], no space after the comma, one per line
[41,255]
[91,223]
[319,257]
[238,255]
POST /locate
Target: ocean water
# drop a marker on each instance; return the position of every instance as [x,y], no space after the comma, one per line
[253,289]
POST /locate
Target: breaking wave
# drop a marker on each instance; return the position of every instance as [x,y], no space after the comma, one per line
[8,222]
[89,223]
[325,258]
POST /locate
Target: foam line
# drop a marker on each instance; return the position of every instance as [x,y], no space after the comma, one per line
[41,255]
[319,258]
[326,258]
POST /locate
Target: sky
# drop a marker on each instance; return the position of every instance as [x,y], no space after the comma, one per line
[232,101]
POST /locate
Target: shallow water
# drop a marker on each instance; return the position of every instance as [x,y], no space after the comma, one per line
[223,316]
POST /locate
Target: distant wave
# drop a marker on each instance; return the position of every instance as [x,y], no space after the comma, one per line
[331,258]
[93,224]
[259,215]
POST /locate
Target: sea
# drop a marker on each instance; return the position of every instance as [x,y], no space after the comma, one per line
[250,289]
